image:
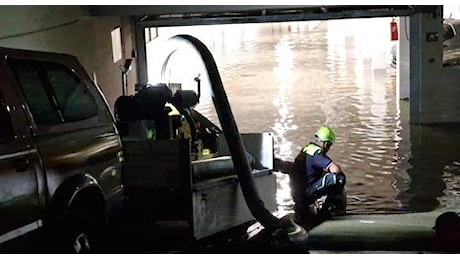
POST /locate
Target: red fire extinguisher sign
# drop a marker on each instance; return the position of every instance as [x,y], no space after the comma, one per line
[394,30]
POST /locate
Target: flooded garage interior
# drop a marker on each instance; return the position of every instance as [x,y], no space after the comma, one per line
[289,78]
[286,70]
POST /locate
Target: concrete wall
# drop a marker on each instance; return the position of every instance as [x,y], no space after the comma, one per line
[69,29]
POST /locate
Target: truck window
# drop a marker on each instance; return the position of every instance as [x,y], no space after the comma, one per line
[73,97]
[53,92]
[37,98]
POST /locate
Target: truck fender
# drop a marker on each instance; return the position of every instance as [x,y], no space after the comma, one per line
[71,189]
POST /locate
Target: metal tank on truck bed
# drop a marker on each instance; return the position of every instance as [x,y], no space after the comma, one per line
[177,169]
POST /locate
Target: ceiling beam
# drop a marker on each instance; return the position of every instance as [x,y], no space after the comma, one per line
[323,13]
[183,15]
[128,10]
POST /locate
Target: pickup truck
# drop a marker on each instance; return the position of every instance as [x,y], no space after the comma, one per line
[60,155]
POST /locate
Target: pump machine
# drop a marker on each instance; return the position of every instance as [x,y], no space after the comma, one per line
[178,172]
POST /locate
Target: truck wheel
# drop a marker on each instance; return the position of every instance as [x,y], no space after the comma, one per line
[84,230]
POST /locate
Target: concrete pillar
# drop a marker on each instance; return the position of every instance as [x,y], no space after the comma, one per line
[403,58]
[426,99]
[141,55]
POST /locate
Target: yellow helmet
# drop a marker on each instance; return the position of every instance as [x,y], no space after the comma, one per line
[325,134]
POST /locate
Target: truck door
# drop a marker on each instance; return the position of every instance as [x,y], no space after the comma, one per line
[19,185]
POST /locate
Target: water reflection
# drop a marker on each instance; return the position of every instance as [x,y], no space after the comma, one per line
[289,78]
[283,74]
[435,173]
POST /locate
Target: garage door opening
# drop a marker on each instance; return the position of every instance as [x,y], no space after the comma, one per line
[295,76]
[290,77]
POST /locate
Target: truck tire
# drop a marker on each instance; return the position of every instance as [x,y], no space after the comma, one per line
[83,229]
[84,232]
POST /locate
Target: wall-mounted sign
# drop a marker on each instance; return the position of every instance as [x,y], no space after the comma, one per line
[432,37]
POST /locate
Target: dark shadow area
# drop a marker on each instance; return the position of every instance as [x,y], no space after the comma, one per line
[434,149]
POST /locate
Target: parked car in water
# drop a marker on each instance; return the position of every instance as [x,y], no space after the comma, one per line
[60,155]
[451,43]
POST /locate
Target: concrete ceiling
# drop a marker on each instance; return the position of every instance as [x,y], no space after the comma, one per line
[178,15]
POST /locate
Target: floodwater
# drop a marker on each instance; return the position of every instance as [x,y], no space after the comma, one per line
[290,78]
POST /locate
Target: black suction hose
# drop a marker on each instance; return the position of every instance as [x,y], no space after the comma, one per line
[235,144]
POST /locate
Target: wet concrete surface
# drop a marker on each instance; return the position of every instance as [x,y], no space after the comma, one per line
[372,233]
[150,239]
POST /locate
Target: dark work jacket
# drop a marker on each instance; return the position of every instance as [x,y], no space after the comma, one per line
[300,179]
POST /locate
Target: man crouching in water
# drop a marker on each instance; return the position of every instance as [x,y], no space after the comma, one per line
[317,183]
